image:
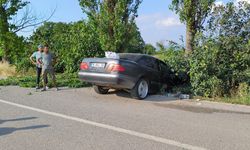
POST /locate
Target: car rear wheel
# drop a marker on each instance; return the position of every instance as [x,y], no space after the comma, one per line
[100,90]
[140,91]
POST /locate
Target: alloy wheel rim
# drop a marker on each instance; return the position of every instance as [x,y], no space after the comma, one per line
[143,89]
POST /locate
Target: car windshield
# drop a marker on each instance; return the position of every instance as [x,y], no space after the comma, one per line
[131,57]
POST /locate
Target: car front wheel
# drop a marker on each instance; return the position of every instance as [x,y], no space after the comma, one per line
[100,90]
[140,91]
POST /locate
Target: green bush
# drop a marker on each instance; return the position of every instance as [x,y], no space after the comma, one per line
[221,59]
[214,71]
[69,42]
[175,58]
[203,70]
[243,90]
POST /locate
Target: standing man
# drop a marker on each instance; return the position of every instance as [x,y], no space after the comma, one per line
[34,58]
[47,61]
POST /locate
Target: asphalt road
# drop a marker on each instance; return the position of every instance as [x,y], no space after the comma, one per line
[79,119]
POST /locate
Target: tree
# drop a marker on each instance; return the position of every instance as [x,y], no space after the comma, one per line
[149,49]
[70,42]
[8,9]
[135,43]
[193,13]
[113,20]
[11,23]
[221,61]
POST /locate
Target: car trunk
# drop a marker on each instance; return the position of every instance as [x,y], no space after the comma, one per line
[99,65]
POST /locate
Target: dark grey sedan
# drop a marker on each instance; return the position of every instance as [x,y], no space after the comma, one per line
[136,73]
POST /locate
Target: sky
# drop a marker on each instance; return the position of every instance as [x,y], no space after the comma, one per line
[156,22]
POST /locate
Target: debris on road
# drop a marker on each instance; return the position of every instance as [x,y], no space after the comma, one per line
[184,96]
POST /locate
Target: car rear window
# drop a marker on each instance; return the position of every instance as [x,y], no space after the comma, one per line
[131,57]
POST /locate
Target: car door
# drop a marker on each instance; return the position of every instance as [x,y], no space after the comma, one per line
[166,74]
[152,71]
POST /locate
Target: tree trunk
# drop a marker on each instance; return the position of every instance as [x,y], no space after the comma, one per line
[191,27]
[190,34]
[4,31]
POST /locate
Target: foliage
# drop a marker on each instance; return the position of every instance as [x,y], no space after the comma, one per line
[114,22]
[175,58]
[70,43]
[63,80]
[243,90]
[202,71]
[136,43]
[149,49]
[11,7]
[193,13]
[8,9]
[220,63]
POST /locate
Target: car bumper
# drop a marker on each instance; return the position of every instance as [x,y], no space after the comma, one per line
[117,81]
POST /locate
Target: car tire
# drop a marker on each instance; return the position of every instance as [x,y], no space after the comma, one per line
[141,89]
[100,90]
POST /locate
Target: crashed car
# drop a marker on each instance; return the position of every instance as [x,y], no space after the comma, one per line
[138,74]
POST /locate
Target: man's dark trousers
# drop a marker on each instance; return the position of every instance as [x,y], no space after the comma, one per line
[38,76]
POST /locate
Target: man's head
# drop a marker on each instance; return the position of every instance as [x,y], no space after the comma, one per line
[40,48]
[46,48]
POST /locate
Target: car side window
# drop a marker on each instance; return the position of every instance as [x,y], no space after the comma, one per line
[163,67]
[149,62]
[144,62]
[156,65]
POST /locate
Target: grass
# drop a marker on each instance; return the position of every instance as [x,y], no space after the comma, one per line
[244,100]
[63,80]
[7,70]
[9,77]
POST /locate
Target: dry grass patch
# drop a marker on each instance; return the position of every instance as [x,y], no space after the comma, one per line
[7,70]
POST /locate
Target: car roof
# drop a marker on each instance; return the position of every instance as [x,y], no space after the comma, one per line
[133,56]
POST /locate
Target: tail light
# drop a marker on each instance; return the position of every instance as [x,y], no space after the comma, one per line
[84,66]
[116,68]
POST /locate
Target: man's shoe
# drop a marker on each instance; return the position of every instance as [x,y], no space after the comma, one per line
[37,87]
[57,89]
[47,87]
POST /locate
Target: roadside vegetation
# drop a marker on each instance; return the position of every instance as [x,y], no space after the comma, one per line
[7,70]
[63,80]
[218,67]
[213,64]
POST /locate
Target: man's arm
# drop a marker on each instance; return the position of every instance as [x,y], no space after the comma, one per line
[40,61]
[32,60]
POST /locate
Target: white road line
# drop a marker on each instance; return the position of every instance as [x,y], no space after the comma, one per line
[109,127]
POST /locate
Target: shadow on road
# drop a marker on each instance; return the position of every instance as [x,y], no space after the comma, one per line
[6,131]
[197,109]
[153,98]
[18,119]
